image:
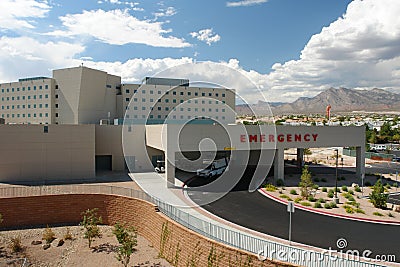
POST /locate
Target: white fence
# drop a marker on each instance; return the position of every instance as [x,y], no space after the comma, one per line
[265,248]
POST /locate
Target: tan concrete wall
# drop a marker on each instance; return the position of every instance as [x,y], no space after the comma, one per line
[85,95]
[109,142]
[66,152]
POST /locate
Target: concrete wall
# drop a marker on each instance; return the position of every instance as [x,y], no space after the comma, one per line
[109,142]
[65,153]
[180,246]
[85,95]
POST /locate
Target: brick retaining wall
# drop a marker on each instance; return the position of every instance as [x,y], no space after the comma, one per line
[179,245]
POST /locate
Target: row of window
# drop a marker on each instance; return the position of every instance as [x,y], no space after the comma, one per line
[29,115]
[173,117]
[28,88]
[175,101]
[175,93]
[180,109]
[16,98]
[28,106]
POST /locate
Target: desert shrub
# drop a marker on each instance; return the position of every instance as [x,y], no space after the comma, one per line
[285,197]
[315,186]
[377,214]
[298,199]
[327,206]
[90,221]
[324,189]
[306,183]
[357,189]
[395,185]
[344,188]
[332,204]
[358,210]
[293,192]
[15,244]
[353,203]
[270,188]
[280,182]
[317,205]
[331,194]
[68,235]
[127,239]
[349,209]
[337,190]
[377,196]
[48,235]
[321,200]
[311,199]
[351,192]
[305,203]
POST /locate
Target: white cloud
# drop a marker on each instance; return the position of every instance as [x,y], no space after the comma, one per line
[358,50]
[118,27]
[206,35]
[245,3]
[24,56]
[168,12]
[18,14]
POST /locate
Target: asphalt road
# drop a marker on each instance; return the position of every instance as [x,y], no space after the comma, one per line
[257,212]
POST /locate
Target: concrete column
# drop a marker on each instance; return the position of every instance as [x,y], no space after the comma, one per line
[300,157]
[170,169]
[279,164]
[360,161]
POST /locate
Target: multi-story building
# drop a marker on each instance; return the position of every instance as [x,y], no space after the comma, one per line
[81,95]
[29,100]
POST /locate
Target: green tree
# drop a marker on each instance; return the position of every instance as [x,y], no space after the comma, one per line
[386,130]
[378,197]
[306,183]
[90,221]
[373,139]
[127,239]
[307,152]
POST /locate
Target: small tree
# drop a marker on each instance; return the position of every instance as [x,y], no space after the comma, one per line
[378,197]
[90,221]
[127,239]
[306,183]
[307,152]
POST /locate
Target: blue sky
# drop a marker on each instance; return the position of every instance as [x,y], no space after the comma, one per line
[288,48]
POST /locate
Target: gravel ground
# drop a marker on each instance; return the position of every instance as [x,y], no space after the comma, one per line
[73,252]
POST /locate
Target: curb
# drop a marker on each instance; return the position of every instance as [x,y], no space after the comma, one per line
[347,217]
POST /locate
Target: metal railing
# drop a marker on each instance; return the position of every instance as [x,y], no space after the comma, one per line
[265,248]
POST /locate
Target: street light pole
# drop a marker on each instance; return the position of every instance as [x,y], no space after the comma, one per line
[336,199]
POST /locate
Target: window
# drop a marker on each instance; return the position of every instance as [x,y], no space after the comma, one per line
[196,101]
[143,99]
[174,93]
[46,115]
[56,105]
[46,96]
[196,94]
[29,88]
[46,105]
[166,108]
[143,91]
[181,109]
[56,115]
[40,87]
[34,89]
[174,100]
[40,114]
[23,106]
[17,97]
[45,129]
[12,107]
[203,94]
[189,101]
[40,96]
[189,109]
[2,107]
[12,89]
[209,94]
[209,102]
[159,108]
[151,100]
[18,115]
[223,110]
[189,93]
[34,97]
[143,108]
[151,92]
[8,90]
[29,106]
[23,97]
[166,100]
[181,101]
[56,96]
[151,116]
[2,99]
[196,109]
[209,110]
[159,100]
[127,99]
[40,105]
[34,105]
[2,90]
[134,108]
[223,117]
[23,115]
[127,91]
[17,106]
[135,91]
[159,92]
[23,88]
[56,86]
[46,86]
[223,95]
[17,89]
[181,93]
[34,115]
[216,94]
[159,116]
[135,99]
[216,110]
[12,98]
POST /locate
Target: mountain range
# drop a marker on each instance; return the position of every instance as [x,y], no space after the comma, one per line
[340,99]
